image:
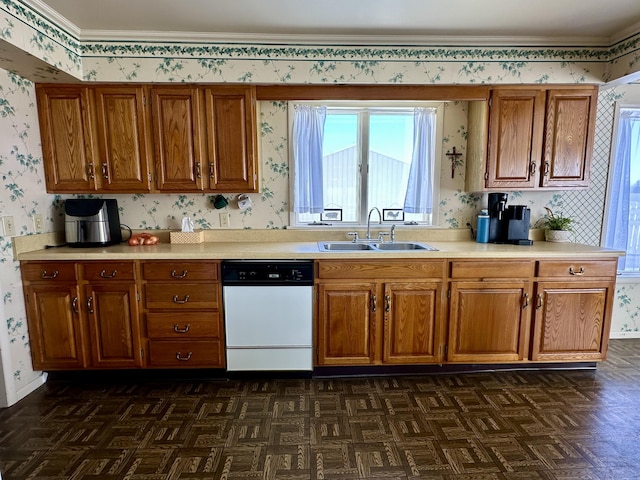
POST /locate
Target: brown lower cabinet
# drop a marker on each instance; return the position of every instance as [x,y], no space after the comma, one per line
[168,314]
[395,318]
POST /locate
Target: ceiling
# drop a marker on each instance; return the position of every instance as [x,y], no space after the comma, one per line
[513,22]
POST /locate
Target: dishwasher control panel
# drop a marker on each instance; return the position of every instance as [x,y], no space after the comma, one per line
[267,272]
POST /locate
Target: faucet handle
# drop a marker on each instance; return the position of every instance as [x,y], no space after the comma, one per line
[354,235]
[393,234]
[381,236]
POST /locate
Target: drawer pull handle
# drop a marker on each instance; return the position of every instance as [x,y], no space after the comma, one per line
[175,274]
[104,274]
[211,169]
[177,300]
[526,300]
[90,171]
[387,303]
[374,303]
[105,171]
[186,358]
[177,329]
[532,168]
[49,276]
[74,305]
[539,305]
[579,272]
[90,304]
[198,170]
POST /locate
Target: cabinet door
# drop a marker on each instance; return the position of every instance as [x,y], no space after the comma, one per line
[66,129]
[572,320]
[55,329]
[516,125]
[412,322]
[569,132]
[177,137]
[231,138]
[121,122]
[346,323]
[113,323]
[489,321]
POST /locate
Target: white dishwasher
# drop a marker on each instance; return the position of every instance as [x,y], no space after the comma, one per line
[268,313]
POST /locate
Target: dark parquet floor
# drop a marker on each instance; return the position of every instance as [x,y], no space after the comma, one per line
[480,426]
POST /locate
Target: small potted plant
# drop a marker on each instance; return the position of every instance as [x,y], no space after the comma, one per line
[557,227]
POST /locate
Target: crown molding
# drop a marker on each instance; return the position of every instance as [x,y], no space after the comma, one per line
[54,17]
[359,40]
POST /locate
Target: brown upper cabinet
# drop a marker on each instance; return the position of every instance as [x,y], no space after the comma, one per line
[531,138]
[102,138]
[68,139]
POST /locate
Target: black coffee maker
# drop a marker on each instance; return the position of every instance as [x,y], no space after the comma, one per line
[508,224]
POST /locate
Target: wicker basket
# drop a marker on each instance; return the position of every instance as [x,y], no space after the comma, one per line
[187,237]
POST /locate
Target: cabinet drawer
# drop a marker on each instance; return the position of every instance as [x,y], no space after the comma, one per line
[105,271]
[578,268]
[48,272]
[183,296]
[186,353]
[186,271]
[492,269]
[183,325]
[381,269]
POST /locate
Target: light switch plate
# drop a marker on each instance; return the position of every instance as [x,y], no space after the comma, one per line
[225,220]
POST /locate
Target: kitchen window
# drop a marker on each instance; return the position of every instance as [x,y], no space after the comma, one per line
[622,210]
[351,157]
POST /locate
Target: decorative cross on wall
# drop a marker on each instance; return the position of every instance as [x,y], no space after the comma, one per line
[455,161]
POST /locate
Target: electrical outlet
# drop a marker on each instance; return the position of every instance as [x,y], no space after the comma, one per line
[225,220]
[8,226]
[38,222]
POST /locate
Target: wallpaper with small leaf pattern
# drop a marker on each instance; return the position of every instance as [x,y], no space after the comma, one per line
[55,54]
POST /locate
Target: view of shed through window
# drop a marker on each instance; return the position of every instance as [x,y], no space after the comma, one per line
[367,155]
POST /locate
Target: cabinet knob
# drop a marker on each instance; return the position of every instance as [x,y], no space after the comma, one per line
[184,358]
[177,300]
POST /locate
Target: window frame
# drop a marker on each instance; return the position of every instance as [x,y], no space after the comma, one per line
[610,170]
[374,106]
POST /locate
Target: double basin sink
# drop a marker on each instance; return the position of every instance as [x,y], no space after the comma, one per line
[350,246]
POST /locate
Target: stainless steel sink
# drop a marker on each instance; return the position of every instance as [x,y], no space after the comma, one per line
[343,246]
[380,247]
[403,246]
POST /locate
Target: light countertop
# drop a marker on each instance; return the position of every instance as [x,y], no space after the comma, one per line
[245,245]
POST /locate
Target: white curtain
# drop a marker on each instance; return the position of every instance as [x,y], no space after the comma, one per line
[627,144]
[308,134]
[419,197]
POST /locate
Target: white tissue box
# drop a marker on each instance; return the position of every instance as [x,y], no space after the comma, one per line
[196,236]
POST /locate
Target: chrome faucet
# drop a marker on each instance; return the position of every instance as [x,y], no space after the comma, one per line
[393,233]
[369,221]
